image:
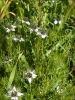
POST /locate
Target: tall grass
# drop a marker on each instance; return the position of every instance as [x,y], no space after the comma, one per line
[37,50]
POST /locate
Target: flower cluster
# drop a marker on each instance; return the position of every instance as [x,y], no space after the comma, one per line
[33,28]
[38,31]
[13,93]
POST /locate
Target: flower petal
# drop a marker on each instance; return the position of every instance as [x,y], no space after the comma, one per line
[19,94]
[14,98]
[13,29]
[55,22]
[38,33]
[27,22]
[44,35]
[13,26]
[29,79]
[23,21]
[34,75]
[7,30]
[14,88]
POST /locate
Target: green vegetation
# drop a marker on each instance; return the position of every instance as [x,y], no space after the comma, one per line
[37,50]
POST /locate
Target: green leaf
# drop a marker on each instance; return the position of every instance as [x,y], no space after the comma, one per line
[11,78]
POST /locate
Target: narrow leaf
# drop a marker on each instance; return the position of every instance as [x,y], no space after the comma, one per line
[11,78]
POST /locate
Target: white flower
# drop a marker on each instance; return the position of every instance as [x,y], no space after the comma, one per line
[30,75]
[36,29]
[21,40]
[38,33]
[18,39]
[17,3]
[14,98]
[11,28]
[23,21]
[31,30]
[7,30]
[44,35]
[53,1]
[7,61]
[15,39]
[27,22]
[59,90]
[55,21]
[59,21]
[13,93]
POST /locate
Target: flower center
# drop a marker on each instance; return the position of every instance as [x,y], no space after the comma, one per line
[14,94]
[42,33]
[10,27]
[29,75]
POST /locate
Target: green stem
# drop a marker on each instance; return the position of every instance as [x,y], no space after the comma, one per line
[30,92]
[69,12]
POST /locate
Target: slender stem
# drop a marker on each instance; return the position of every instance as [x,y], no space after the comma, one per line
[30,92]
[66,16]
[30,88]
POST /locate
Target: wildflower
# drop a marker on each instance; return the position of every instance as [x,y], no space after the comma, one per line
[40,32]
[57,21]
[21,39]
[15,39]
[59,90]
[11,28]
[14,94]
[7,59]
[31,30]
[18,38]
[44,35]
[30,75]
[25,20]
[36,29]
[53,1]
[16,3]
